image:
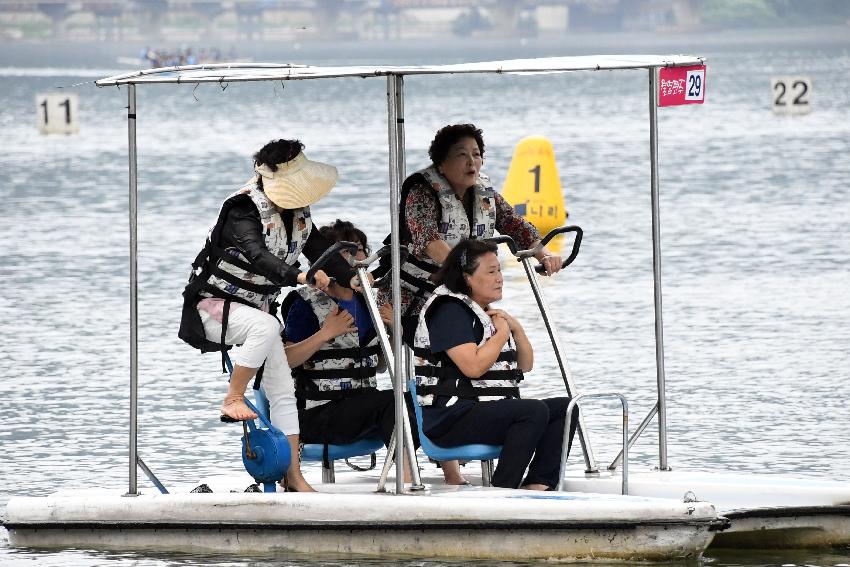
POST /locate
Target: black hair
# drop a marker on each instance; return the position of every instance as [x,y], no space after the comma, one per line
[343,230]
[447,136]
[463,259]
[275,152]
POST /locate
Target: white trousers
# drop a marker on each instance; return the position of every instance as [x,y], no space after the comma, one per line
[258,333]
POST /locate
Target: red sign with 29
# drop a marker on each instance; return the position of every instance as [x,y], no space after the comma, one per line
[681,85]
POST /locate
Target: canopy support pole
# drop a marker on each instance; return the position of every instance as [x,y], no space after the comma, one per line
[395,125]
[656,269]
[134,286]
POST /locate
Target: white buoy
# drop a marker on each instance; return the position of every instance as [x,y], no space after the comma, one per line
[791,95]
[57,113]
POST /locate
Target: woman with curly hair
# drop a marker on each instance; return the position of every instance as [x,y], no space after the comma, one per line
[444,203]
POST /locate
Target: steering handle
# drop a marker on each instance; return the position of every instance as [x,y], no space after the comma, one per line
[327,255]
[573,253]
[546,239]
[504,239]
[380,253]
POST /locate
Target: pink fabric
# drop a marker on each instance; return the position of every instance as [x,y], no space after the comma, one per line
[215,307]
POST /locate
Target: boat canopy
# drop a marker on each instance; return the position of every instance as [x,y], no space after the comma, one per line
[243,72]
[225,73]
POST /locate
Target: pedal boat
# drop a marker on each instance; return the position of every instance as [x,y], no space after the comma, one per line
[352,518]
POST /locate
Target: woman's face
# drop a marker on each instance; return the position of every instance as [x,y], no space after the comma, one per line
[462,164]
[485,283]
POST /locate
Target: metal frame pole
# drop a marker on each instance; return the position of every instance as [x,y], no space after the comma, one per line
[384,340]
[566,371]
[134,287]
[633,439]
[656,268]
[395,125]
[569,418]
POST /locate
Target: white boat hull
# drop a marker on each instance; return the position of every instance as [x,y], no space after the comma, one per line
[447,522]
[766,511]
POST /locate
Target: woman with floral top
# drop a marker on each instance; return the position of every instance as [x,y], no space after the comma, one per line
[444,203]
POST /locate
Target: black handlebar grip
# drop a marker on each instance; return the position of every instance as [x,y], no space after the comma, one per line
[327,255]
[504,239]
[576,244]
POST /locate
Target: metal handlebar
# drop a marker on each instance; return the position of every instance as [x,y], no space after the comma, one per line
[520,254]
[377,255]
[504,239]
[385,250]
[552,234]
[570,408]
[327,255]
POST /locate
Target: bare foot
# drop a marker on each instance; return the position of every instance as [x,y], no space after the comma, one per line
[456,480]
[534,487]
[451,473]
[299,484]
[236,408]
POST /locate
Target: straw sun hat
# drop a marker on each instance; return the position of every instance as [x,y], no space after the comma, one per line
[298,182]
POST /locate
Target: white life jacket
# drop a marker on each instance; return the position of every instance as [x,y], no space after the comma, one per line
[453,226]
[341,367]
[232,275]
[500,381]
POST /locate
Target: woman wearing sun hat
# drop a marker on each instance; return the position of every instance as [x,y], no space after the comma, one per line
[250,253]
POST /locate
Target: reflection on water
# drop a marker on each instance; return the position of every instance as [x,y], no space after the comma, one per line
[754,213]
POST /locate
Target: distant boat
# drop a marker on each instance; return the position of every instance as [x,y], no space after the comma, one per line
[173,57]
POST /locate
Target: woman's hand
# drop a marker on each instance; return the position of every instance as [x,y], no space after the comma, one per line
[355,282]
[500,322]
[551,262]
[338,322]
[525,353]
[386,311]
[513,324]
[321,280]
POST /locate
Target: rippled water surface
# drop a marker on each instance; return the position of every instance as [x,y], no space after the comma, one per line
[755,214]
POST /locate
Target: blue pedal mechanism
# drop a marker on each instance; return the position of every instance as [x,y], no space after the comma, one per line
[265,452]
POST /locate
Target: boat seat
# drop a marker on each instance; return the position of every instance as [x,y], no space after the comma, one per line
[473,452]
[315,452]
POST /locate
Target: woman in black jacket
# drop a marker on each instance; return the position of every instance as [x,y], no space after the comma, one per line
[250,253]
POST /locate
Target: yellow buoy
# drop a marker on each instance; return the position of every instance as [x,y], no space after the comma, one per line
[532,185]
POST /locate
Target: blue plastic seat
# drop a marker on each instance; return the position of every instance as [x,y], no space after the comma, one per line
[315,451]
[472,452]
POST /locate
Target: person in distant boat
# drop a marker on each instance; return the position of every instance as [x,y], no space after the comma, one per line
[250,253]
[470,359]
[333,350]
[447,201]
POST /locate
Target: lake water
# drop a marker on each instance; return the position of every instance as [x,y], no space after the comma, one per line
[755,212]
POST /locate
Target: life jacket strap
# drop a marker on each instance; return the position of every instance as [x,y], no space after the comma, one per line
[302,394]
[225,317]
[443,372]
[422,264]
[335,374]
[345,353]
[469,393]
[426,354]
[231,256]
[256,288]
[422,286]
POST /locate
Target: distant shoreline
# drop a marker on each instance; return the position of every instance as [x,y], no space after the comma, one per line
[105,53]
